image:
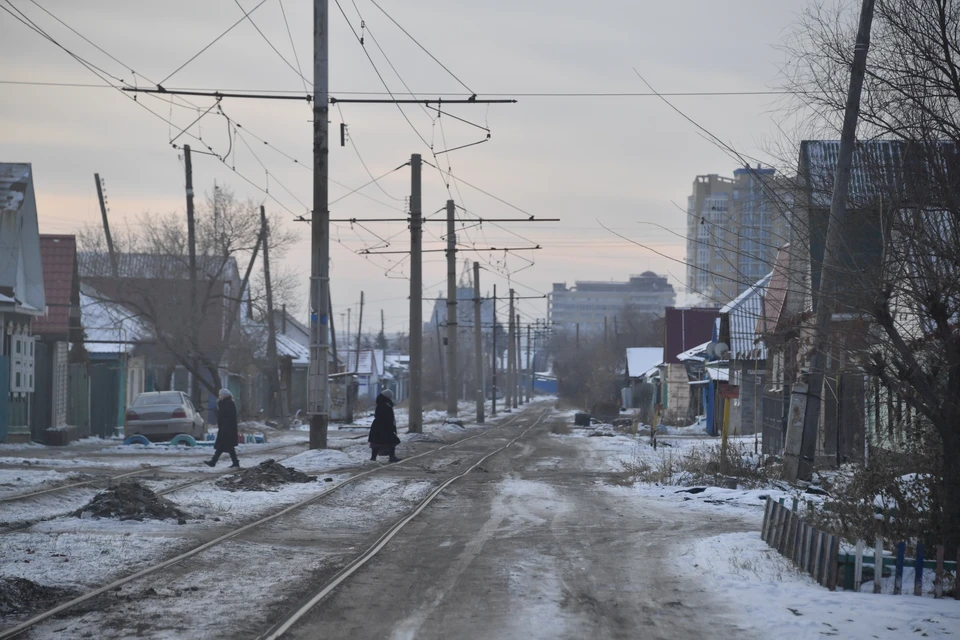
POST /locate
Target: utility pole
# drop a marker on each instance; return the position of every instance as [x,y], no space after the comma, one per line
[518,397]
[478,339]
[443,377]
[805,403]
[578,339]
[318,387]
[349,328]
[106,227]
[606,340]
[451,310]
[511,354]
[192,248]
[359,329]
[529,368]
[274,379]
[416,300]
[383,325]
[493,367]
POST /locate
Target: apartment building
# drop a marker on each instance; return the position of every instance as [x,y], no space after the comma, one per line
[591,304]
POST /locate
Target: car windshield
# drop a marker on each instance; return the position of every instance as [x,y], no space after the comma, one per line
[166,397]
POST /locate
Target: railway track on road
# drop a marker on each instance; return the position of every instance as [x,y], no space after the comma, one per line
[35,620]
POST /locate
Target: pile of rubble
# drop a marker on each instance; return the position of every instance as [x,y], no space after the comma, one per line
[130,501]
[266,476]
[19,595]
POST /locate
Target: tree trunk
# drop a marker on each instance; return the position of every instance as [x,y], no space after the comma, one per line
[951,488]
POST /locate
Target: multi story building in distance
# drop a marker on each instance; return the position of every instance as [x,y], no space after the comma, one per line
[734,228]
[590,304]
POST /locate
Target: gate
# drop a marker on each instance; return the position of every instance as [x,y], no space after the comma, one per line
[4,396]
[41,405]
[104,398]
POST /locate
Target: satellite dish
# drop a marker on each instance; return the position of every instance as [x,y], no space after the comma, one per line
[720,349]
[710,349]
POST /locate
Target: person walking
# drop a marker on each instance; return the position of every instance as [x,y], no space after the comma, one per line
[383,432]
[227,431]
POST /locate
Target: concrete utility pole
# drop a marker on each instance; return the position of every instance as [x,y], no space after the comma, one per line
[106,227]
[518,396]
[529,368]
[359,330]
[192,248]
[443,376]
[274,379]
[493,364]
[416,299]
[333,333]
[318,387]
[803,422]
[451,310]
[478,339]
[508,401]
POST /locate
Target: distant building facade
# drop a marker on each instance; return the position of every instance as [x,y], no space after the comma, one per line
[590,304]
[734,228]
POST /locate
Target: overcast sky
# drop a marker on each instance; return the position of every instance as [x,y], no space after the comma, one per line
[623,161]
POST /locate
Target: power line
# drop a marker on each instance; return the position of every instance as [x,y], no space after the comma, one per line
[296,69]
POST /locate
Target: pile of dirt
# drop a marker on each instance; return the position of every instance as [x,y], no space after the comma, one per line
[19,595]
[130,501]
[266,476]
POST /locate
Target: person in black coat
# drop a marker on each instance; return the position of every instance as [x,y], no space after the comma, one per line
[383,432]
[227,432]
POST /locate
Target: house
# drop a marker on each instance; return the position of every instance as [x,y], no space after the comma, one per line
[746,358]
[684,329]
[642,364]
[369,369]
[54,333]
[22,299]
[114,339]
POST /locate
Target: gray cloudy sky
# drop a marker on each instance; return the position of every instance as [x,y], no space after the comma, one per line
[620,160]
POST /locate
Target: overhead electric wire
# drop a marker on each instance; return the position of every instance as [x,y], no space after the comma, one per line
[246,14]
[293,46]
[296,69]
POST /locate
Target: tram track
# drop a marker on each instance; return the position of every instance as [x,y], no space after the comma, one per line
[35,620]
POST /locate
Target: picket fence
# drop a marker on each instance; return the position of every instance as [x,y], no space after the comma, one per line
[817,553]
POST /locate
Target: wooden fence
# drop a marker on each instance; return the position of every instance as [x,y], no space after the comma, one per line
[817,553]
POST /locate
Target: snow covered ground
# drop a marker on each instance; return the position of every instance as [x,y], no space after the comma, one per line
[771,596]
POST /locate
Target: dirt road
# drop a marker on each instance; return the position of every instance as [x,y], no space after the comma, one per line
[532,546]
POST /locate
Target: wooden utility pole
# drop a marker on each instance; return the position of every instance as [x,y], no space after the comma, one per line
[106,227]
[272,362]
[451,310]
[318,386]
[803,421]
[495,358]
[192,248]
[511,355]
[416,300]
[478,339]
[518,396]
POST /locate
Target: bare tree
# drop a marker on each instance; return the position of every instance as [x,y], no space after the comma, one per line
[912,303]
[154,276]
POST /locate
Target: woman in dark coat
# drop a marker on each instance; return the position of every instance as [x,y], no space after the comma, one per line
[227,431]
[383,432]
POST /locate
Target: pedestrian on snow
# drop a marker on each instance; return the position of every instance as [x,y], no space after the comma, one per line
[227,432]
[383,432]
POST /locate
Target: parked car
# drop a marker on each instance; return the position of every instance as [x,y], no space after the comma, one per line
[494,390]
[161,415]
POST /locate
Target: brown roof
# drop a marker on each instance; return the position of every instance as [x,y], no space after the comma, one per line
[58,253]
[685,329]
[775,296]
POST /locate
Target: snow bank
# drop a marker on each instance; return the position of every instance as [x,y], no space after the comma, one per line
[774,599]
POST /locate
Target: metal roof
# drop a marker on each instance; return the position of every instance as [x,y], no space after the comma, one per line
[743,313]
[642,359]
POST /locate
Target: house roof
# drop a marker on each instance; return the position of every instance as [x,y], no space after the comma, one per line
[155,266]
[742,313]
[685,328]
[59,256]
[109,327]
[641,359]
[371,361]
[287,346]
[21,270]
[698,352]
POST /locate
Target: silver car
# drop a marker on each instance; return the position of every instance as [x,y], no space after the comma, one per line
[161,415]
